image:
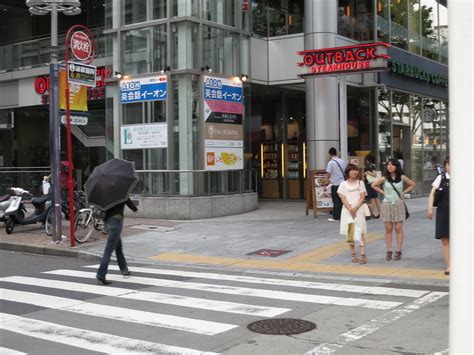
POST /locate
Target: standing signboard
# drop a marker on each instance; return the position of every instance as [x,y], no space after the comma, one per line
[318,197]
[223,130]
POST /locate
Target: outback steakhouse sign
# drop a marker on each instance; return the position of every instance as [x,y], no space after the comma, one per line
[347,59]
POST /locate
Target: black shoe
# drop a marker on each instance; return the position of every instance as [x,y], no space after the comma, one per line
[102,280]
[126,273]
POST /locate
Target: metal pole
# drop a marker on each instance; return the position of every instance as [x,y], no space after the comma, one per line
[55,127]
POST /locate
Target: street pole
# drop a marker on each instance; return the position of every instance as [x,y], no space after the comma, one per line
[461,116]
[55,126]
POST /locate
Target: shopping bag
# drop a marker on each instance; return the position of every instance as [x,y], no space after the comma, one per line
[350,233]
[357,234]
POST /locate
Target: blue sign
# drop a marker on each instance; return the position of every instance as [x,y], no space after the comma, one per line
[143,89]
[216,89]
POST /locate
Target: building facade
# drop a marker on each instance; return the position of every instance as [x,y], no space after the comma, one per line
[288,122]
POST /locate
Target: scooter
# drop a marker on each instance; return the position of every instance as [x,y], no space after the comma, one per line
[7,200]
[13,216]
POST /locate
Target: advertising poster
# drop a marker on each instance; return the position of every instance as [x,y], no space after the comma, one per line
[322,191]
[224,158]
[223,129]
[154,135]
[77,95]
[152,88]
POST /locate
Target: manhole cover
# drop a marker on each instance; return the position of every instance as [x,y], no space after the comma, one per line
[148,227]
[281,326]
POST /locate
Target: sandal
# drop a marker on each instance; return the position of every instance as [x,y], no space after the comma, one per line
[398,255]
[389,256]
[354,258]
[362,259]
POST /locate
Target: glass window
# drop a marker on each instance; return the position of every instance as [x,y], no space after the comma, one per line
[182,8]
[358,119]
[219,11]
[416,144]
[221,50]
[399,23]
[443,32]
[143,10]
[383,21]
[385,125]
[260,19]
[414,27]
[184,45]
[429,29]
[355,19]
[400,107]
[144,50]
[432,141]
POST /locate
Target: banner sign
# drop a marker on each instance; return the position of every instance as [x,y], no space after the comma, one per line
[347,59]
[153,135]
[224,158]
[143,89]
[223,130]
[223,100]
[77,95]
[82,74]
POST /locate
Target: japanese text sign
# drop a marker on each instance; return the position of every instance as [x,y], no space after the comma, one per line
[143,89]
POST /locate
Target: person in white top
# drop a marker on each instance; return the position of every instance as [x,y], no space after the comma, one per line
[335,170]
[352,193]
[441,183]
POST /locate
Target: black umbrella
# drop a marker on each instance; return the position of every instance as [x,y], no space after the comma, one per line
[111,183]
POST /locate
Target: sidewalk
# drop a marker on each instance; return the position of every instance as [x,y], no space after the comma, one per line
[311,245]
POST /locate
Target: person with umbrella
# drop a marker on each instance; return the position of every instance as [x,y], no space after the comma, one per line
[109,187]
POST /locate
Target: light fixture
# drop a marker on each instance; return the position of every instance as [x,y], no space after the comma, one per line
[206,68]
[165,69]
[43,7]
[244,77]
[118,75]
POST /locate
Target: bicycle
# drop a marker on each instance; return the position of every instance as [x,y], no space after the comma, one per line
[79,204]
[86,221]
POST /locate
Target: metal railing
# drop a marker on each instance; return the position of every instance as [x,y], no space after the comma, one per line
[28,178]
[195,182]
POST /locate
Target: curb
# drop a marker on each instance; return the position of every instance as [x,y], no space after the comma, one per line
[39,249]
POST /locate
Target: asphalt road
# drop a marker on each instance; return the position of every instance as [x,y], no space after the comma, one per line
[53,305]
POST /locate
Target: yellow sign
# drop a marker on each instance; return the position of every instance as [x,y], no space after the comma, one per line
[77,94]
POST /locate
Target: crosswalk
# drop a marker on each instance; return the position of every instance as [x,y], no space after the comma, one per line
[162,311]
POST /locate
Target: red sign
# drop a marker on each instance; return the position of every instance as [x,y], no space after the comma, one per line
[245,5]
[81,45]
[347,59]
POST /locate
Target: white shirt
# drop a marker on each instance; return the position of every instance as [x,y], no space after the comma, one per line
[337,173]
[437,181]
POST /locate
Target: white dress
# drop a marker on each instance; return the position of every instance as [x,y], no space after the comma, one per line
[352,194]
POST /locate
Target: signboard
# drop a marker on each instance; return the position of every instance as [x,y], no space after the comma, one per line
[82,74]
[77,95]
[76,120]
[152,88]
[318,198]
[346,59]
[418,73]
[152,135]
[223,130]
[81,46]
[224,158]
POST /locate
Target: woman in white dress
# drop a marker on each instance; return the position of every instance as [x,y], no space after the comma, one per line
[352,192]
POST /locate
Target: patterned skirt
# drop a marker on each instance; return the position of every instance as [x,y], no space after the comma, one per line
[393,212]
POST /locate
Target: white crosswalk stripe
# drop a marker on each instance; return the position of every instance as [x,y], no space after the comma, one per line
[201,303]
[86,339]
[371,290]
[242,291]
[206,313]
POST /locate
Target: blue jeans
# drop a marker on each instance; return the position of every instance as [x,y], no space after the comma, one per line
[114,242]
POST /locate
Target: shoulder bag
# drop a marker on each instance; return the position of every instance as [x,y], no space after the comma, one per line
[439,192]
[407,214]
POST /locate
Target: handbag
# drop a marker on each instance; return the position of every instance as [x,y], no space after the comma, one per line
[407,214]
[350,233]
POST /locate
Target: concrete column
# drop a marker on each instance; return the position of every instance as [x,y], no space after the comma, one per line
[322,104]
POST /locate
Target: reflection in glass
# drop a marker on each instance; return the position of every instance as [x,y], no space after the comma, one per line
[384,125]
[221,50]
[260,19]
[432,149]
[184,45]
[355,19]
[400,107]
[144,50]
[181,8]
[416,145]
[219,11]
[429,29]
[383,21]
[358,119]
[143,10]
[414,26]
[443,32]
[399,17]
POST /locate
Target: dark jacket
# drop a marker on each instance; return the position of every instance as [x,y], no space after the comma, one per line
[117,211]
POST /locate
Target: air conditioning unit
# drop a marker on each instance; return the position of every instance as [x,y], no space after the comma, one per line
[7,120]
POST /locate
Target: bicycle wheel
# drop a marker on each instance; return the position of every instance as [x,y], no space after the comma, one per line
[48,223]
[83,226]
